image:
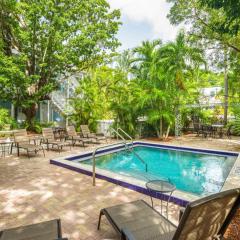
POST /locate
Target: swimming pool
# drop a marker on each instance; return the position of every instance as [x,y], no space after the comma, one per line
[197,173]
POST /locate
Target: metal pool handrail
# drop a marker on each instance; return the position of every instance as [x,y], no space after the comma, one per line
[94,159]
[126,134]
[136,154]
[119,135]
[130,138]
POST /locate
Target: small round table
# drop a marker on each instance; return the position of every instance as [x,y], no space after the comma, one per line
[161,186]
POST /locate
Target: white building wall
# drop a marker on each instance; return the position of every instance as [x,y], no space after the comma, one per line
[104,127]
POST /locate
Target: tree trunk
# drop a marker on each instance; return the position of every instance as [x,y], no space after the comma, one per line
[16,113]
[168,130]
[225,90]
[161,127]
[30,113]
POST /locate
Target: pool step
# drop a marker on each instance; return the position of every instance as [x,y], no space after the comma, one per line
[141,175]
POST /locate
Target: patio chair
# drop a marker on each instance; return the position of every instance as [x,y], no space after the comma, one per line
[49,230]
[203,219]
[207,131]
[73,136]
[88,134]
[49,140]
[22,141]
[196,128]
[228,131]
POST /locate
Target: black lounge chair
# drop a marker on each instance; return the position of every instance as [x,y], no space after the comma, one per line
[49,139]
[204,219]
[49,230]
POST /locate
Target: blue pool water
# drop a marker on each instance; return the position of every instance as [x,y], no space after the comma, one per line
[193,172]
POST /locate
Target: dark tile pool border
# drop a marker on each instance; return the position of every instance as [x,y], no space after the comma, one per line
[139,189]
[89,154]
[224,153]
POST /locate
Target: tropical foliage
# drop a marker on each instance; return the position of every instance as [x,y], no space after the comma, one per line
[151,82]
[6,122]
[42,40]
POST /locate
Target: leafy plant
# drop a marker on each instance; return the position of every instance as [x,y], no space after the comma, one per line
[36,126]
[235,125]
[43,40]
[6,121]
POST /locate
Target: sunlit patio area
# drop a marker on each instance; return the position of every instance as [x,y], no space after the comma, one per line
[32,190]
[119,120]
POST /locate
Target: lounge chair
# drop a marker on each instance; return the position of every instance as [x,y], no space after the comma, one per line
[73,136]
[49,140]
[49,230]
[22,141]
[88,134]
[204,219]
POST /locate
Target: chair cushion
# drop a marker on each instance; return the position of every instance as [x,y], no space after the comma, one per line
[40,231]
[30,146]
[141,221]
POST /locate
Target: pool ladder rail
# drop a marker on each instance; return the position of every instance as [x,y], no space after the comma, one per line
[127,148]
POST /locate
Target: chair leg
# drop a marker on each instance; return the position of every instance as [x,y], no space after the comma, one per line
[28,154]
[99,220]
[11,148]
[43,151]
[18,151]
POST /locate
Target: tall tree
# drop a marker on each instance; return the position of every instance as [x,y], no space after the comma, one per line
[43,39]
[163,72]
[215,25]
[231,23]
[207,23]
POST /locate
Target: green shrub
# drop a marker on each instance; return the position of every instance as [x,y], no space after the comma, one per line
[6,121]
[236,125]
[36,126]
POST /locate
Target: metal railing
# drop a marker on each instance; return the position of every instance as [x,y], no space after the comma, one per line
[119,135]
[126,134]
[124,142]
[131,139]
[94,159]
[137,155]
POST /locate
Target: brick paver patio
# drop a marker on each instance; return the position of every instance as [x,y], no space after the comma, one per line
[32,190]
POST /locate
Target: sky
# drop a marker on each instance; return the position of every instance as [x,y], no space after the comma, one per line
[143,20]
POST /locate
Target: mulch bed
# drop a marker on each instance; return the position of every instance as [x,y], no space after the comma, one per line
[160,139]
[233,231]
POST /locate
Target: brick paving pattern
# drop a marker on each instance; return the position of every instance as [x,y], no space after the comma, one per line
[32,190]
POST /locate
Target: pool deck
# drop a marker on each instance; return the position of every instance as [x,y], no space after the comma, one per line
[32,190]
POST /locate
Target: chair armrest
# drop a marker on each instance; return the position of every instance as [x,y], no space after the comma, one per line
[45,140]
[181,211]
[100,134]
[125,234]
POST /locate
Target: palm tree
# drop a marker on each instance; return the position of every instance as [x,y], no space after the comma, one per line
[178,58]
[149,76]
[163,72]
[145,57]
[124,60]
